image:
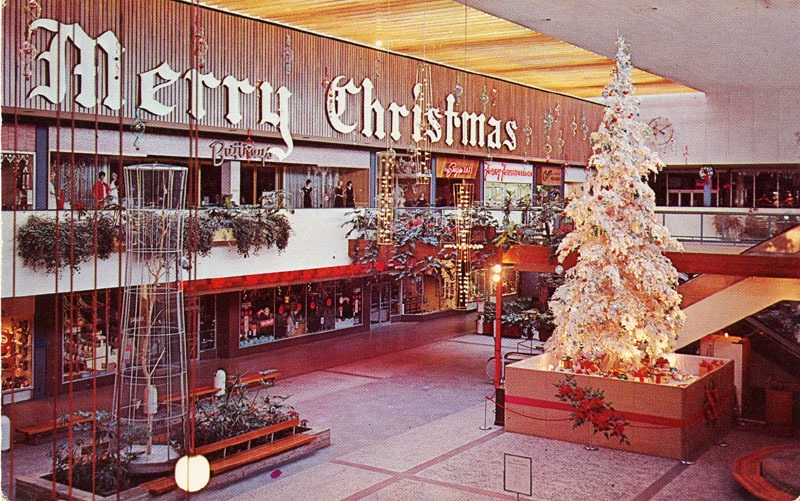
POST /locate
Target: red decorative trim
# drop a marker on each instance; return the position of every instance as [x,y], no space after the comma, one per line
[630,416]
[282,278]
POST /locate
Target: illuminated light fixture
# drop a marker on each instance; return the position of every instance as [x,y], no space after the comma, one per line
[387,165]
[192,473]
[463,193]
[420,152]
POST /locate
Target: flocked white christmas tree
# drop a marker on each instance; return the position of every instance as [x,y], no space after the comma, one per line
[619,304]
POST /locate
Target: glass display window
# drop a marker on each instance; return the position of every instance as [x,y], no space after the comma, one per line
[207,324]
[16,349]
[17,181]
[276,313]
[90,328]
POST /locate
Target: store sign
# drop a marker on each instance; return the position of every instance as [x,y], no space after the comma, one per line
[503,172]
[246,151]
[432,124]
[549,176]
[456,168]
[89,70]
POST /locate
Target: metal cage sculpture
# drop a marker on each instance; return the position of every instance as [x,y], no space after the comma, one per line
[150,392]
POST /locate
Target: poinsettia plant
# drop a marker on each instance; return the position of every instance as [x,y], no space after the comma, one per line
[589,405]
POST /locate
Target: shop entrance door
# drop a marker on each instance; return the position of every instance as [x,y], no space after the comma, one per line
[384,301]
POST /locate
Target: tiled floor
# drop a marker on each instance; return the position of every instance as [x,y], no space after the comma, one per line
[407,426]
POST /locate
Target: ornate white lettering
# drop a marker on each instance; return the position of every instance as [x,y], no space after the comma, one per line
[55,90]
[148,89]
[198,82]
[235,87]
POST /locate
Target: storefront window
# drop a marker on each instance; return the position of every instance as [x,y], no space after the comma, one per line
[502,180]
[76,177]
[17,181]
[208,322]
[90,329]
[17,356]
[323,184]
[451,171]
[288,311]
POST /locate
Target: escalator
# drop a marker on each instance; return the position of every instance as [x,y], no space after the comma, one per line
[714,302]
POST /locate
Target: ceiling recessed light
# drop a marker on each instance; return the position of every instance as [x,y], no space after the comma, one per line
[378,43]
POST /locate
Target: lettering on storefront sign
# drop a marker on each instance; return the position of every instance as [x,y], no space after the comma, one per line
[240,150]
[502,172]
[432,124]
[85,74]
[550,176]
[449,169]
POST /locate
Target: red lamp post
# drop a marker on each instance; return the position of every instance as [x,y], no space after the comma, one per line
[499,391]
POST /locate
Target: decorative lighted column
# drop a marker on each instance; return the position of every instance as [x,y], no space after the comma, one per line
[463,194]
[387,164]
[150,392]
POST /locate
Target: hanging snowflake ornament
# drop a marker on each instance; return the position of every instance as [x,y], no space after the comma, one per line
[484,99]
[584,128]
[548,120]
[199,44]
[618,305]
[138,127]
[458,90]
[288,54]
[28,50]
[528,131]
[326,81]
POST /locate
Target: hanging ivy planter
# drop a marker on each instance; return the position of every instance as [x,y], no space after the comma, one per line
[43,243]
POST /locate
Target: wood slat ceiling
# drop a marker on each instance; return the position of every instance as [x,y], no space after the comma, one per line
[449,33]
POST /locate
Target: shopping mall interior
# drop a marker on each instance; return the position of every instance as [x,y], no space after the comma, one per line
[400,249]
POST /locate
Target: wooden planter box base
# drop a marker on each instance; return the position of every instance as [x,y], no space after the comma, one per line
[665,420]
[34,486]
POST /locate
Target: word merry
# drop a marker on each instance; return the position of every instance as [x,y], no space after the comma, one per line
[85,74]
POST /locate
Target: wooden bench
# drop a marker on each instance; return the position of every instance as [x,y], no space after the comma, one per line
[32,433]
[250,455]
[199,392]
[255,379]
[747,471]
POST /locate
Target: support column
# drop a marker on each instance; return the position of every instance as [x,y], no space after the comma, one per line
[232,180]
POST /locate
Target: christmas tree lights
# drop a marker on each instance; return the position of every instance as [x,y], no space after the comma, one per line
[618,306]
